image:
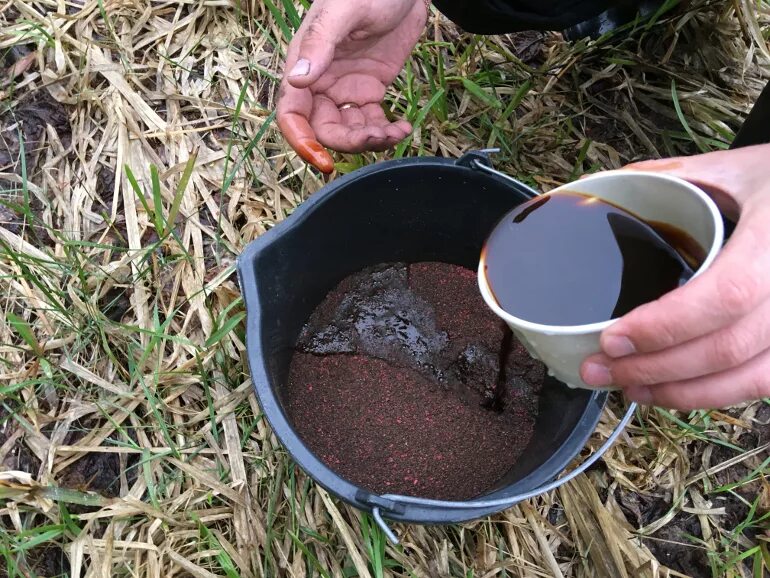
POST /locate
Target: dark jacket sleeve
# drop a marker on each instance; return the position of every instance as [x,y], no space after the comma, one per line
[504,16]
[756,128]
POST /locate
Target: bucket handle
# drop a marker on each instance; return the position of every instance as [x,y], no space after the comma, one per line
[479,160]
[503,503]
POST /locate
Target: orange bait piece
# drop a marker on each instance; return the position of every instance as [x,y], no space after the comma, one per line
[297,131]
[314,153]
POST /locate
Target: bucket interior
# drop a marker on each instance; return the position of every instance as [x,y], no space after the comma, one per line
[410,211]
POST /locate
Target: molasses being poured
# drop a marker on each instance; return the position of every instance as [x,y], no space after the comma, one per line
[571,259]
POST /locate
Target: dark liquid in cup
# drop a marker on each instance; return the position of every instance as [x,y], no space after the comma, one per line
[572,259]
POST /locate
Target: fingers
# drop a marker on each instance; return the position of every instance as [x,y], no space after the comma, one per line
[351,130]
[730,177]
[317,38]
[394,131]
[736,284]
[301,138]
[397,131]
[309,56]
[719,351]
[353,117]
[706,344]
[333,133]
[327,123]
[311,120]
[750,381]
[312,72]
[354,130]
[294,108]
[356,88]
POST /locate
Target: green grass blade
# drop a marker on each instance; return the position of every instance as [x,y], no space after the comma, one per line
[149,480]
[250,147]
[480,93]
[23,162]
[157,200]
[30,539]
[309,555]
[683,120]
[292,14]
[137,189]
[225,562]
[417,121]
[25,331]
[229,324]
[280,20]
[516,100]
[180,190]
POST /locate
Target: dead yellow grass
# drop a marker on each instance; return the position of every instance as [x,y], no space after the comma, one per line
[130,439]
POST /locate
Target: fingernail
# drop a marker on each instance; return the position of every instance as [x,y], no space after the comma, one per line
[640,394]
[302,68]
[596,374]
[617,346]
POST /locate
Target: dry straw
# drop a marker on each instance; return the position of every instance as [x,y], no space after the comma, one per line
[130,440]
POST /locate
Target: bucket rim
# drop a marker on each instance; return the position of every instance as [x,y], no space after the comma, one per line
[281,426]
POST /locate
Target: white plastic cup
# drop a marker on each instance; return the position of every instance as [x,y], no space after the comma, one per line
[651,196]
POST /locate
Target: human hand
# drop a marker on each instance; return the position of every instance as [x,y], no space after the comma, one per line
[338,66]
[707,344]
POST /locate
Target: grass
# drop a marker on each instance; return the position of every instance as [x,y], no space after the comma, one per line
[139,155]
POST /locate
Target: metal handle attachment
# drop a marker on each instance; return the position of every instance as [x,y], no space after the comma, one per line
[479,160]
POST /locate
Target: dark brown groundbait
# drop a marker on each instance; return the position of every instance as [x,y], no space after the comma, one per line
[393,384]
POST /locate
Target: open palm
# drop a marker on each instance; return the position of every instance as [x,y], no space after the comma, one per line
[340,63]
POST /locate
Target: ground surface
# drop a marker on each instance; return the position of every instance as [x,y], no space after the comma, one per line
[130,442]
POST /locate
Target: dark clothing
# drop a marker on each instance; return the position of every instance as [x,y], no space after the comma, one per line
[756,129]
[504,16]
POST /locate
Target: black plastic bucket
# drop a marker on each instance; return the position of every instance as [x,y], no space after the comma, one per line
[422,209]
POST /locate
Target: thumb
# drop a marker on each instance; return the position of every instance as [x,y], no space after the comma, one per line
[317,39]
